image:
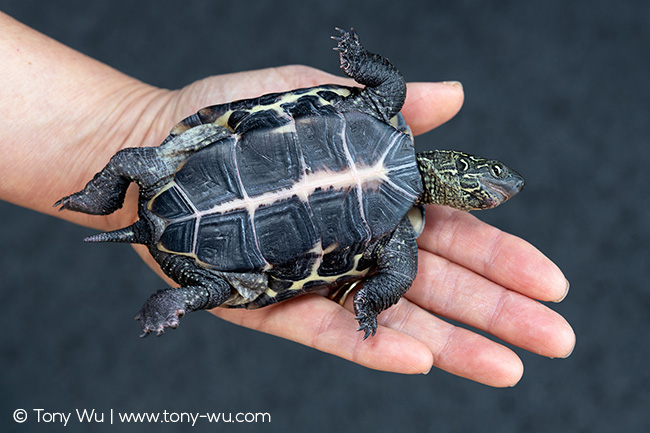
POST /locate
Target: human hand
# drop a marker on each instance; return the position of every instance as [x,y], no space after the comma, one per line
[75,113]
[468,271]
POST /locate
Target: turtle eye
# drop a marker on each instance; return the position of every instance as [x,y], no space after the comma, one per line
[497,170]
[462,164]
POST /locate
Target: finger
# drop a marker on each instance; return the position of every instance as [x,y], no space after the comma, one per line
[505,259]
[455,350]
[324,325]
[429,105]
[452,291]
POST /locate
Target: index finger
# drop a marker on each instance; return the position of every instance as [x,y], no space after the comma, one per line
[429,105]
[503,258]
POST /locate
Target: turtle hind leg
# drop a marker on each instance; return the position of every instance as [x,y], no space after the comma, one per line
[164,308]
[201,289]
[385,90]
[105,193]
[149,167]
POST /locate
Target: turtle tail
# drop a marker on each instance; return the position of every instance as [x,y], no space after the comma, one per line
[136,233]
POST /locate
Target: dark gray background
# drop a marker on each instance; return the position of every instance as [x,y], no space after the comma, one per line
[559,90]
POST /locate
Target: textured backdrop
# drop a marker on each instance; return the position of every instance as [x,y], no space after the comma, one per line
[559,90]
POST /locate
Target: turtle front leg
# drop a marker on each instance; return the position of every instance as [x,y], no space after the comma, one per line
[397,265]
[200,290]
[385,91]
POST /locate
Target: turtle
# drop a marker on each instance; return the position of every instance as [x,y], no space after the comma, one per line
[319,189]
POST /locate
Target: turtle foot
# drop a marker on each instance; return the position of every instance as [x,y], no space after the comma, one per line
[92,200]
[162,310]
[368,325]
[82,202]
[351,52]
[366,318]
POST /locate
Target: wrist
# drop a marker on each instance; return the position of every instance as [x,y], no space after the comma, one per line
[63,116]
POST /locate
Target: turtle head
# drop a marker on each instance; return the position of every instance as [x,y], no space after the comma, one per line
[465,182]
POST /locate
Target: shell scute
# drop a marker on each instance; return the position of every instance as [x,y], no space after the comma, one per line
[178,237]
[227,242]
[285,230]
[340,218]
[322,136]
[171,204]
[268,160]
[209,177]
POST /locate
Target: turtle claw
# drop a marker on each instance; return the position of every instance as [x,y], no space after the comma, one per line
[87,203]
[74,202]
[349,48]
[344,33]
[157,326]
[367,324]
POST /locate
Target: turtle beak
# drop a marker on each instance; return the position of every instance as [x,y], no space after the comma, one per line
[504,188]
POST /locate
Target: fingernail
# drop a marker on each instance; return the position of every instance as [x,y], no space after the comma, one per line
[566,291]
[457,84]
[427,372]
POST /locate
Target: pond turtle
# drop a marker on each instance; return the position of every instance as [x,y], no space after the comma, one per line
[256,201]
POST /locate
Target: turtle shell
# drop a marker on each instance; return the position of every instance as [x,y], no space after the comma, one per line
[297,192]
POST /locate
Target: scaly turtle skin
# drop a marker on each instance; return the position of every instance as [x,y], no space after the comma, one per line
[256,201]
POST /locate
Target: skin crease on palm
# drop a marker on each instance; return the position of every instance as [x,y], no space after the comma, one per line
[75,113]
